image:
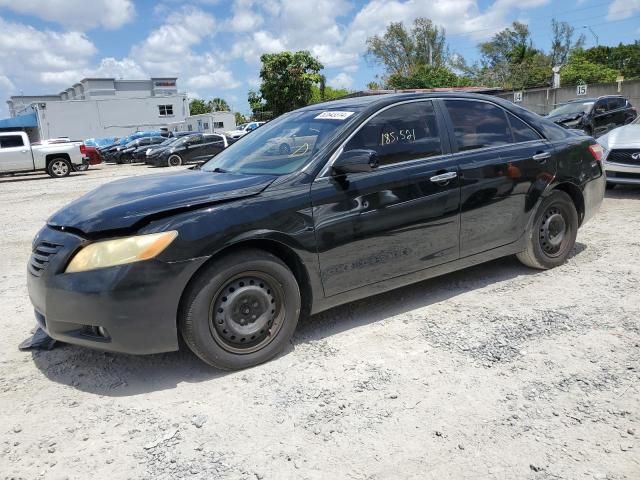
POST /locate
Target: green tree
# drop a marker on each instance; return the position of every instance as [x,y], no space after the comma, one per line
[562,42]
[425,76]
[240,118]
[624,58]
[287,80]
[580,70]
[197,106]
[509,60]
[218,105]
[401,50]
[256,104]
[329,93]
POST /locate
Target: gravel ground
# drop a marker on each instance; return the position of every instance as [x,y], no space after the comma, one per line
[494,372]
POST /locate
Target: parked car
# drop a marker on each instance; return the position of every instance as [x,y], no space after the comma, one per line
[93,154]
[622,159]
[594,116]
[126,155]
[397,189]
[189,149]
[243,129]
[58,159]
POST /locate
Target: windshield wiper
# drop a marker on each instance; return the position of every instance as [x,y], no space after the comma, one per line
[220,170]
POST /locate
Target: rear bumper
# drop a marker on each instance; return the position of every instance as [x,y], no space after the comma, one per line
[593,194]
[136,305]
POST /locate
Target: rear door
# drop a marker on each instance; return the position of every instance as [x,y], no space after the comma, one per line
[211,146]
[14,154]
[504,166]
[395,220]
[602,117]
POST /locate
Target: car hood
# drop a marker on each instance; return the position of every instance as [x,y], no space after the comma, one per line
[565,117]
[123,203]
[622,137]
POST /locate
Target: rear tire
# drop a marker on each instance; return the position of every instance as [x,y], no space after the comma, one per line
[241,310]
[59,168]
[553,233]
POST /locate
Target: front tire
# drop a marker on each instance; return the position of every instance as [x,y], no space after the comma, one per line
[174,160]
[553,233]
[241,310]
[59,168]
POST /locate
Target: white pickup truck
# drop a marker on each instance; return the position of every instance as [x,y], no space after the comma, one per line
[17,155]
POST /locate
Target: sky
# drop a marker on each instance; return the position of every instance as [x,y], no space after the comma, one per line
[214,46]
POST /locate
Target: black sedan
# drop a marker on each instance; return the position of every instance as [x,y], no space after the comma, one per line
[384,191]
[191,148]
[127,154]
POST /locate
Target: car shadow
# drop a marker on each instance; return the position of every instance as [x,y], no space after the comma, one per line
[121,375]
[28,177]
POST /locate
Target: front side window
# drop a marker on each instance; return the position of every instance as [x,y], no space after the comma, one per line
[11,141]
[165,110]
[600,107]
[478,124]
[401,133]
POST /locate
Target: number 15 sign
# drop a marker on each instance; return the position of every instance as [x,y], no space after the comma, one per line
[581,89]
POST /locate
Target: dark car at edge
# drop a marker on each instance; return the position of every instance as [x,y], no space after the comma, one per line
[384,191]
[188,149]
[594,116]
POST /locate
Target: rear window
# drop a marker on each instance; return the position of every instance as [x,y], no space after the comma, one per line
[11,141]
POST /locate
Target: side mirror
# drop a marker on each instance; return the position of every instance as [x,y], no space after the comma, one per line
[355,161]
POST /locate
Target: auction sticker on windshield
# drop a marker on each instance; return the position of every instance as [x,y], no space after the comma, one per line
[334,115]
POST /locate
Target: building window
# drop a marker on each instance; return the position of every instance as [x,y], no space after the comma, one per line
[218,124]
[205,125]
[189,127]
[166,110]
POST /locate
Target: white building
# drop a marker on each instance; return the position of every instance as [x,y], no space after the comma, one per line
[214,122]
[99,107]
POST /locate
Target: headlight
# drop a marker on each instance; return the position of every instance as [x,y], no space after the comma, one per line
[109,253]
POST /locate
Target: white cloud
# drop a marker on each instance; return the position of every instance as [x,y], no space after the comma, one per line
[76,14]
[621,9]
[342,80]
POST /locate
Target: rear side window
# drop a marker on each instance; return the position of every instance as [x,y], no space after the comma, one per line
[11,141]
[616,103]
[401,133]
[521,131]
[478,124]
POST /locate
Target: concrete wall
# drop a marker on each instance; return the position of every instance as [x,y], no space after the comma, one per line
[543,100]
[105,118]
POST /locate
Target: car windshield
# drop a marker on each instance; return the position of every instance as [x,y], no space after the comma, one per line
[131,144]
[573,107]
[168,141]
[281,146]
[242,126]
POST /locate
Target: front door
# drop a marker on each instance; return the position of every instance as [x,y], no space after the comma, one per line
[395,220]
[504,166]
[15,156]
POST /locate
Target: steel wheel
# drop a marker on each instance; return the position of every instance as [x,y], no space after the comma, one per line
[553,231]
[246,314]
[174,161]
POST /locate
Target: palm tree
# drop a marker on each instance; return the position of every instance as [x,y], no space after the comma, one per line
[218,105]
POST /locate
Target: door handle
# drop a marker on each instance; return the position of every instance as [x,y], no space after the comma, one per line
[542,157]
[444,177]
[24,151]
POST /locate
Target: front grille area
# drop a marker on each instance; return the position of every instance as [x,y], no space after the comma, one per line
[41,256]
[624,156]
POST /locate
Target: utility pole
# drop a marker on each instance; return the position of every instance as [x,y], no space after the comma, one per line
[593,33]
